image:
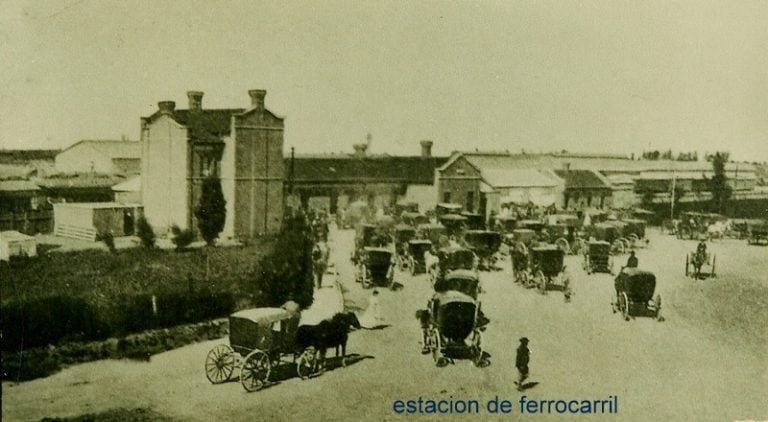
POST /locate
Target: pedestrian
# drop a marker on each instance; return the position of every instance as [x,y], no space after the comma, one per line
[521,362]
[632,260]
[372,316]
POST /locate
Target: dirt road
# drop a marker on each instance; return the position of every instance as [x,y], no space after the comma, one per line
[697,365]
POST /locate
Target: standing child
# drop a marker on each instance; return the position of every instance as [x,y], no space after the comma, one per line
[521,362]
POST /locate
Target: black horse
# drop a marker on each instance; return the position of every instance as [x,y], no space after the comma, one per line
[328,333]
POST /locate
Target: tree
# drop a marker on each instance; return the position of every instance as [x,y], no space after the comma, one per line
[145,233]
[721,190]
[211,212]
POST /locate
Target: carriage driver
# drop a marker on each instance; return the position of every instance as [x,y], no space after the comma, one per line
[702,247]
[632,260]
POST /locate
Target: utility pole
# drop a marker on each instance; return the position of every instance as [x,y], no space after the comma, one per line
[672,201]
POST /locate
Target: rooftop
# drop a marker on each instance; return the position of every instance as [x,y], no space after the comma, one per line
[343,168]
[582,179]
[111,148]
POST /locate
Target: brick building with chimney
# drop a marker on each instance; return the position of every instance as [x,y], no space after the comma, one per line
[242,146]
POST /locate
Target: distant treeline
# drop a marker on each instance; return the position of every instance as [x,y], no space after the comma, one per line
[10,156]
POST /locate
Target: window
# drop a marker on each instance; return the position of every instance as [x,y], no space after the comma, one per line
[446,197]
[470,201]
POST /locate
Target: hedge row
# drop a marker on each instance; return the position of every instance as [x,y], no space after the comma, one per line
[52,320]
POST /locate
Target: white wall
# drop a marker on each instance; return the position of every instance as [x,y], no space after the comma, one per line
[82,158]
[164,174]
[424,195]
[228,186]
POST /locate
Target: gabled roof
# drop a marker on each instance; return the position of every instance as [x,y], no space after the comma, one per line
[517,178]
[110,148]
[582,179]
[416,170]
[18,186]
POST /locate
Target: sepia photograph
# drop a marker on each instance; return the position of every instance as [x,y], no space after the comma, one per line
[359,210]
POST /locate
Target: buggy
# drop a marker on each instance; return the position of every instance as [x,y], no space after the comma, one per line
[454,321]
[548,269]
[597,257]
[634,290]
[700,264]
[259,340]
[608,232]
[634,232]
[453,258]
[454,223]
[757,232]
[403,234]
[694,224]
[474,221]
[366,236]
[376,268]
[415,255]
[485,244]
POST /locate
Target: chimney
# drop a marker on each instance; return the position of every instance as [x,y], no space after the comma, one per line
[166,107]
[426,148]
[257,98]
[360,150]
[195,100]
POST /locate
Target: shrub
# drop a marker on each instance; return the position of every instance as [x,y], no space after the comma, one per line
[182,238]
[145,232]
[211,212]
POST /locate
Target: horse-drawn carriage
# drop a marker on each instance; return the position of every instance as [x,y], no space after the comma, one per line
[474,220]
[402,235]
[375,268]
[598,258]
[608,232]
[452,324]
[368,235]
[415,255]
[259,340]
[454,224]
[453,258]
[757,232]
[694,224]
[547,268]
[485,244]
[563,230]
[700,263]
[634,232]
[635,294]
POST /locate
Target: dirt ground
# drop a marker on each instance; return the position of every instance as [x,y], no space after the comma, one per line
[708,361]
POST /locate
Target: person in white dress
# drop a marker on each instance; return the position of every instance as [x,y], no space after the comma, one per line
[372,316]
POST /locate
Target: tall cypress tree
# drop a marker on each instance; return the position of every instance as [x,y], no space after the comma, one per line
[721,190]
[211,212]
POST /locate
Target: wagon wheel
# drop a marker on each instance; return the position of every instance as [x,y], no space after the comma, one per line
[219,364]
[436,345]
[541,281]
[618,247]
[562,244]
[625,307]
[657,301]
[255,371]
[478,357]
[714,260]
[307,364]
[687,264]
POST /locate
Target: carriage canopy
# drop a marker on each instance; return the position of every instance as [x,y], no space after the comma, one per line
[453,258]
[548,258]
[261,328]
[638,284]
[417,247]
[534,225]
[414,218]
[448,208]
[463,281]
[483,240]
[599,248]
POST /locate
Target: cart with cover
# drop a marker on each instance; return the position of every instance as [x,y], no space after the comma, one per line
[598,258]
[607,232]
[485,244]
[474,220]
[454,320]
[415,255]
[453,258]
[634,232]
[548,268]
[402,235]
[376,268]
[757,232]
[260,339]
[454,224]
[367,235]
[635,294]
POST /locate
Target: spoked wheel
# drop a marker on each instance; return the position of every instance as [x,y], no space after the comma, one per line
[219,364]
[254,374]
[625,306]
[478,356]
[436,344]
[307,363]
[562,244]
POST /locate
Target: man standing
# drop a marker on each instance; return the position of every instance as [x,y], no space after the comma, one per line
[521,362]
[632,260]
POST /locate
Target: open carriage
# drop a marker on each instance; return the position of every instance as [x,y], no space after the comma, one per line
[260,339]
[453,323]
[757,232]
[547,268]
[635,294]
[376,268]
[598,258]
[402,235]
[485,244]
[415,254]
[701,264]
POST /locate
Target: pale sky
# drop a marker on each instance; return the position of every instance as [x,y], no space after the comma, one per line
[604,76]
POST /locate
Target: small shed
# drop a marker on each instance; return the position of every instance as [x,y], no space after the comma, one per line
[13,243]
[86,220]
